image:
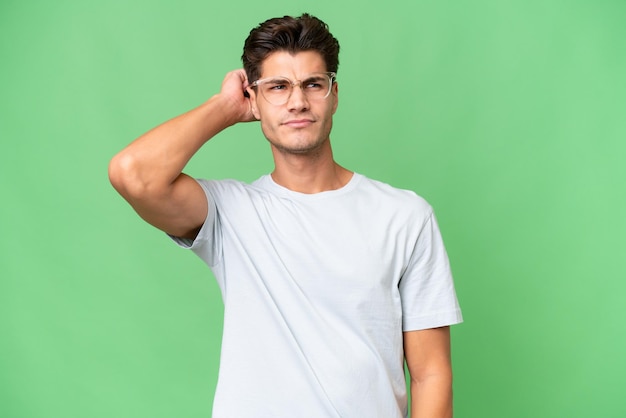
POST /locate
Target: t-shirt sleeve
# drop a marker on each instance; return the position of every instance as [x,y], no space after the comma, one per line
[207,244]
[426,287]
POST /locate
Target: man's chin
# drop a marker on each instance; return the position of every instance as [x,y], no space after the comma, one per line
[299,148]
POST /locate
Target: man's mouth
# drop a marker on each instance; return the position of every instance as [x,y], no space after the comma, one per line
[298,123]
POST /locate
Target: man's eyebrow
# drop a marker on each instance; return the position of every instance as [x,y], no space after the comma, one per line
[274,79]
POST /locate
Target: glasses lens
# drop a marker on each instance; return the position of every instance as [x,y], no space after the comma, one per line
[316,86]
[277,90]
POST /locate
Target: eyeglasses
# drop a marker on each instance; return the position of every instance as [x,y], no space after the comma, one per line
[278,90]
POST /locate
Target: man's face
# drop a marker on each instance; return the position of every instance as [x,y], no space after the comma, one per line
[301,125]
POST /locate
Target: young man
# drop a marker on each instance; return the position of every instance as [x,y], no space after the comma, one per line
[330,280]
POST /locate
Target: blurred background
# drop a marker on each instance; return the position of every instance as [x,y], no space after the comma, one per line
[507,116]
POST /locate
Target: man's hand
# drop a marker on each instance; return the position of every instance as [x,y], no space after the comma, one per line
[239,107]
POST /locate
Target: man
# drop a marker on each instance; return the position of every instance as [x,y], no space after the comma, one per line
[330,280]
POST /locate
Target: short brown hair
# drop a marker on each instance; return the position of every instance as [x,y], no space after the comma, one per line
[291,34]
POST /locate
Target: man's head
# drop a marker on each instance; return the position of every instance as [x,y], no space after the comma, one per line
[289,34]
[290,63]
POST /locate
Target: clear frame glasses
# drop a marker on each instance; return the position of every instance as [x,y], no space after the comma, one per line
[277,90]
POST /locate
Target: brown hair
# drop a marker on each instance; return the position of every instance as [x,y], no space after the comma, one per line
[291,34]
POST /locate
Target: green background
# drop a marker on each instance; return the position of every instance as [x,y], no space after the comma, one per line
[508,116]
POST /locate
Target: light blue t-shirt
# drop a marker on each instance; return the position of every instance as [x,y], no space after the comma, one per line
[317,291]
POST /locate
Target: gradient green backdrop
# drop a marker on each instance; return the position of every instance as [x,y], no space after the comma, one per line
[508,116]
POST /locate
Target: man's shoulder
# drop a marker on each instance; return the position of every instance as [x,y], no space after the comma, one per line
[230,185]
[394,195]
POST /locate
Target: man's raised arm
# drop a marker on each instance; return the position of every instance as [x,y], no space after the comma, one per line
[148,172]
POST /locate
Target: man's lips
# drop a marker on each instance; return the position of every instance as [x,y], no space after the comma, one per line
[298,123]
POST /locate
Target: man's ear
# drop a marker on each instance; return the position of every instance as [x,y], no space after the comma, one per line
[251,94]
[335,92]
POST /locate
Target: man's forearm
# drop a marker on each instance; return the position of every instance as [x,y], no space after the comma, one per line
[432,397]
[148,172]
[158,157]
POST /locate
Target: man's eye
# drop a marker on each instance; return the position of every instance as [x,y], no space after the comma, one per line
[277,87]
[313,85]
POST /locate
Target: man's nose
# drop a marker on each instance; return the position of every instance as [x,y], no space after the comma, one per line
[297,99]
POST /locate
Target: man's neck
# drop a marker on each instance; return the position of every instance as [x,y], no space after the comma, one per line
[309,173]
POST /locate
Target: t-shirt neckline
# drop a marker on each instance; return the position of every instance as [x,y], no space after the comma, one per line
[268,183]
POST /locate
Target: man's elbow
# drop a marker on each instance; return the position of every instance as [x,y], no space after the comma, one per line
[125,177]
[119,169]
[442,375]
